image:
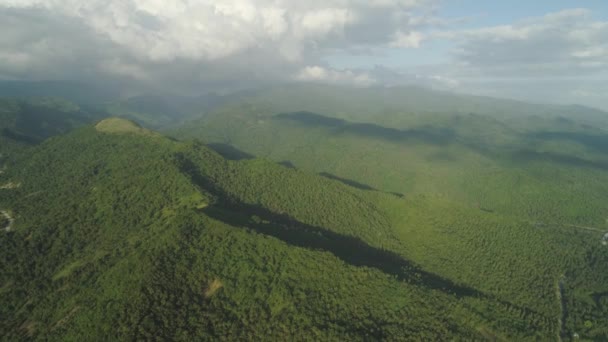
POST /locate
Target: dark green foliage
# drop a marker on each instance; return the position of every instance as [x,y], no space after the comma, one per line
[76,92]
[498,195]
[139,237]
[163,111]
[128,235]
[3,222]
[28,122]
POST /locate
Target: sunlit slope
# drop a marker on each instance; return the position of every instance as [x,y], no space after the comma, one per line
[513,204]
[121,236]
[547,167]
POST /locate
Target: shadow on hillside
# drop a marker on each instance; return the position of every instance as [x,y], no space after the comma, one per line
[287,164]
[350,249]
[436,136]
[533,156]
[41,122]
[229,152]
[357,185]
[18,137]
[598,143]
[348,182]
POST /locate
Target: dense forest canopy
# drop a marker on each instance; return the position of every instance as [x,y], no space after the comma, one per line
[287,170]
[283,214]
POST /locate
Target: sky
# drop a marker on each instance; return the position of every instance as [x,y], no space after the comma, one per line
[553,51]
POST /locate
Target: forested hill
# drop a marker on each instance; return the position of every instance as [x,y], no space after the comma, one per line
[120,233]
[504,195]
[26,122]
[38,102]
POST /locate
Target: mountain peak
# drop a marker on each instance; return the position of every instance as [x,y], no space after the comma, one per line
[123,126]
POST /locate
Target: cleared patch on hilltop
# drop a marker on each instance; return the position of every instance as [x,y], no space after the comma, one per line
[123,126]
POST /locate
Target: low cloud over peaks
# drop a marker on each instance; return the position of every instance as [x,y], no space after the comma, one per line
[133,39]
[197,45]
[568,42]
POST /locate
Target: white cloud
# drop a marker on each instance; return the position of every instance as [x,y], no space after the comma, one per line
[444,81]
[322,22]
[196,39]
[565,43]
[209,29]
[120,68]
[324,75]
[407,40]
[192,44]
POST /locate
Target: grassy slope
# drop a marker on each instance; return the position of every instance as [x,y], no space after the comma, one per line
[123,126]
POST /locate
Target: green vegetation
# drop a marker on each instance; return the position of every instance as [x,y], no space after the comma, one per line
[497,193]
[162,111]
[123,126]
[117,247]
[496,163]
[422,226]
[28,122]
[4,221]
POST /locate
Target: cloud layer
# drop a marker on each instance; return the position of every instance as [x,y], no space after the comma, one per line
[217,40]
[561,57]
[197,45]
[558,44]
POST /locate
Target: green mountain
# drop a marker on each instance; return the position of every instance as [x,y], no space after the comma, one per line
[84,94]
[498,171]
[26,122]
[153,110]
[362,221]
[504,156]
[164,111]
[123,234]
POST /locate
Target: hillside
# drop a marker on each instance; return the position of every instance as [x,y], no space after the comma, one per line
[284,170]
[157,111]
[27,122]
[505,162]
[163,111]
[84,94]
[472,226]
[123,126]
[485,182]
[168,239]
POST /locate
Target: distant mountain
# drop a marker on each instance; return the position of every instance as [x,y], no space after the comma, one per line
[539,169]
[151,110]
[164,111]
[77,92]
[379,105]
[478,150]
[29,121]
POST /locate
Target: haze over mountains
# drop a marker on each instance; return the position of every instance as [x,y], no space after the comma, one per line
[300,212]
[284,170]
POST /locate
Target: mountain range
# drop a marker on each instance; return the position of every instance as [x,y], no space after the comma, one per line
[300,213]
